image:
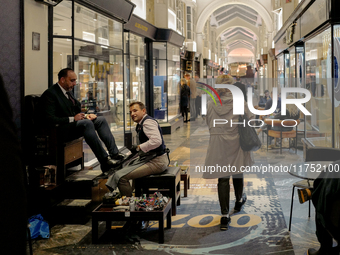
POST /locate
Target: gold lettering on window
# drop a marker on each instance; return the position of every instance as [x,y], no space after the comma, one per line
[140,26]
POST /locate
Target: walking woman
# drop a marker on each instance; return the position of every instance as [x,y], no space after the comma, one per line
[185,93]
[224,150]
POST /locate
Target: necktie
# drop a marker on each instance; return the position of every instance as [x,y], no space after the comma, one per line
[71,98]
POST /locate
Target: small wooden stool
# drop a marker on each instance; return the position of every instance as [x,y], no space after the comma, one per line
[185,177]
[168,183]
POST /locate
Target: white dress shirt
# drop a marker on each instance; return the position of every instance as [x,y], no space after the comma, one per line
[150,129]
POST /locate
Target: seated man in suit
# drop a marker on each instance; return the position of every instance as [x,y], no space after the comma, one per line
[151,150]
[60,107]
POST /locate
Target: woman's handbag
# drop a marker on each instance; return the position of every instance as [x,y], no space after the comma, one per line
[249,140]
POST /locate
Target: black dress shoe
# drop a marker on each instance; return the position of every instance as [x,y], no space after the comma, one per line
[114,162]
[109,163]
[118,156]
[238,205]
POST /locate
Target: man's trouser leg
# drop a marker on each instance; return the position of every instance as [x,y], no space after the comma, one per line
[87,129]
[154,166]
[105,135]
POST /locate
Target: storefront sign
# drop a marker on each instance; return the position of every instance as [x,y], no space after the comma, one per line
[101,70]
[141,26]
[290,33]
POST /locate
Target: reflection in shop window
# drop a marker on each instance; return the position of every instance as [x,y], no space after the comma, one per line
[319,82]
[62,19]
[166,81]
[336,80]
[100,89]
[94,27]
[135,72]
[292,75]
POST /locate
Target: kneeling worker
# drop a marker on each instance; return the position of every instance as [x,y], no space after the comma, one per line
[151,150]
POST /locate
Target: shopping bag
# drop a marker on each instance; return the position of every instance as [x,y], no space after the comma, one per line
[249,139]
[38,227]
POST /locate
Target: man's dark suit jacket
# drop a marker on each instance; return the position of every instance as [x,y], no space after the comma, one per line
[56,109]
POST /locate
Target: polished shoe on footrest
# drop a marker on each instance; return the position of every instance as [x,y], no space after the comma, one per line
[114,162]
[118,156]
[109,163]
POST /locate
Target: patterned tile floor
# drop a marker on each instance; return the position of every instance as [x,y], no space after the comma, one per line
[303,228]
[188,146]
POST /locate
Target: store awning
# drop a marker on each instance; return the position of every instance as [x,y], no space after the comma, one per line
[169,35]
[141,27]
[118,9]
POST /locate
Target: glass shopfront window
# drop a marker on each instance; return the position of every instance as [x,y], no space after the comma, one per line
[94,27]
[300,76]
[318,81]
[62,19]
[62,56]
[98,66]
[287,68]
[280,71]
[336,82]
[174,73]
[159,82]
[135,72]
[166,73]
[292,74]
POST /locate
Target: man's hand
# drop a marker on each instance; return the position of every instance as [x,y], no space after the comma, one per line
[79,116]
[91,116]
[133,149]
